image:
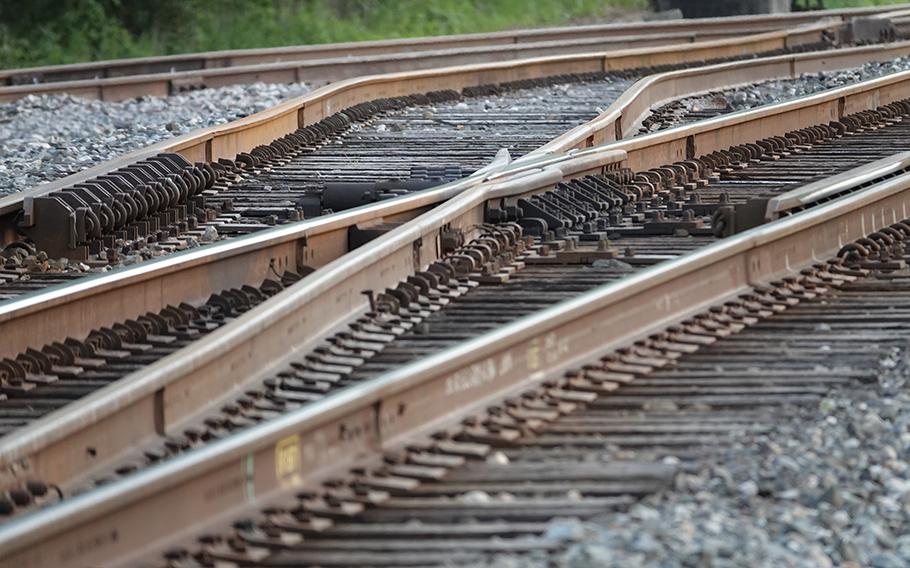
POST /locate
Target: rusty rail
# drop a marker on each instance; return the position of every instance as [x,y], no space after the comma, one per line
[119,522]
[321,71]
[50,447]
[151,401]
[226,140]
[57,314]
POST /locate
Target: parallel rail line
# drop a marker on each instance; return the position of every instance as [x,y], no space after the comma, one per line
[628,207]
[857,93]
[113,353]
[325,240]
[513,469]
[226,141]
[318,72]
[355,304]
[629,319]
[117,79]
[432,311]
[520,465]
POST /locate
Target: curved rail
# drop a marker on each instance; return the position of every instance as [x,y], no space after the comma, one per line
[332,293]
[321,71]
[239,473]
[677,31]
[102,300]
[624,116]
[192,275]
[227,140]
[157,398]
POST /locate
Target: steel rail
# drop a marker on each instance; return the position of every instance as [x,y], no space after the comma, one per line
[677,29]
[54,448]
[192,275]
[709,135]
[117,523]
[624,116]
[226,140]
[321,71]
[55,314]
[545,176]
[149,403]
[763,209]
[826,189]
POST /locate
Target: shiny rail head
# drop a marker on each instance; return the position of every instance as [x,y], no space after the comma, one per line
[130,274]
[153,483]
[205,144]
[760,210]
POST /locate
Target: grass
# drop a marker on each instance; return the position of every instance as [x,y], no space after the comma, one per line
[42,32]
[45,32]
[859,3]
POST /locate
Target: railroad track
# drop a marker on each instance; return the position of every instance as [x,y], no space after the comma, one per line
[281,183]
[628,228]
[863,128]
[128,78]
[318,72]
[857,132]
[534,461]
[338,163]
[540,458]
[679,334]
[331,239]
[134,333]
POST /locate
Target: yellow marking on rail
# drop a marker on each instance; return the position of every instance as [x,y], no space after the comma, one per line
[288,461]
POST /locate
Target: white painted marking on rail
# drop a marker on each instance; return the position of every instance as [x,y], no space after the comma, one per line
[532,356]
[477,375]
[506,363]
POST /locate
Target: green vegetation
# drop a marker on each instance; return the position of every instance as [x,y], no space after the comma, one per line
[859,3]
[43,32]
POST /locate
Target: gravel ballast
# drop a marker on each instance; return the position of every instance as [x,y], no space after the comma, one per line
[827,486]
[52,136]
[768,92]
[691,109]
